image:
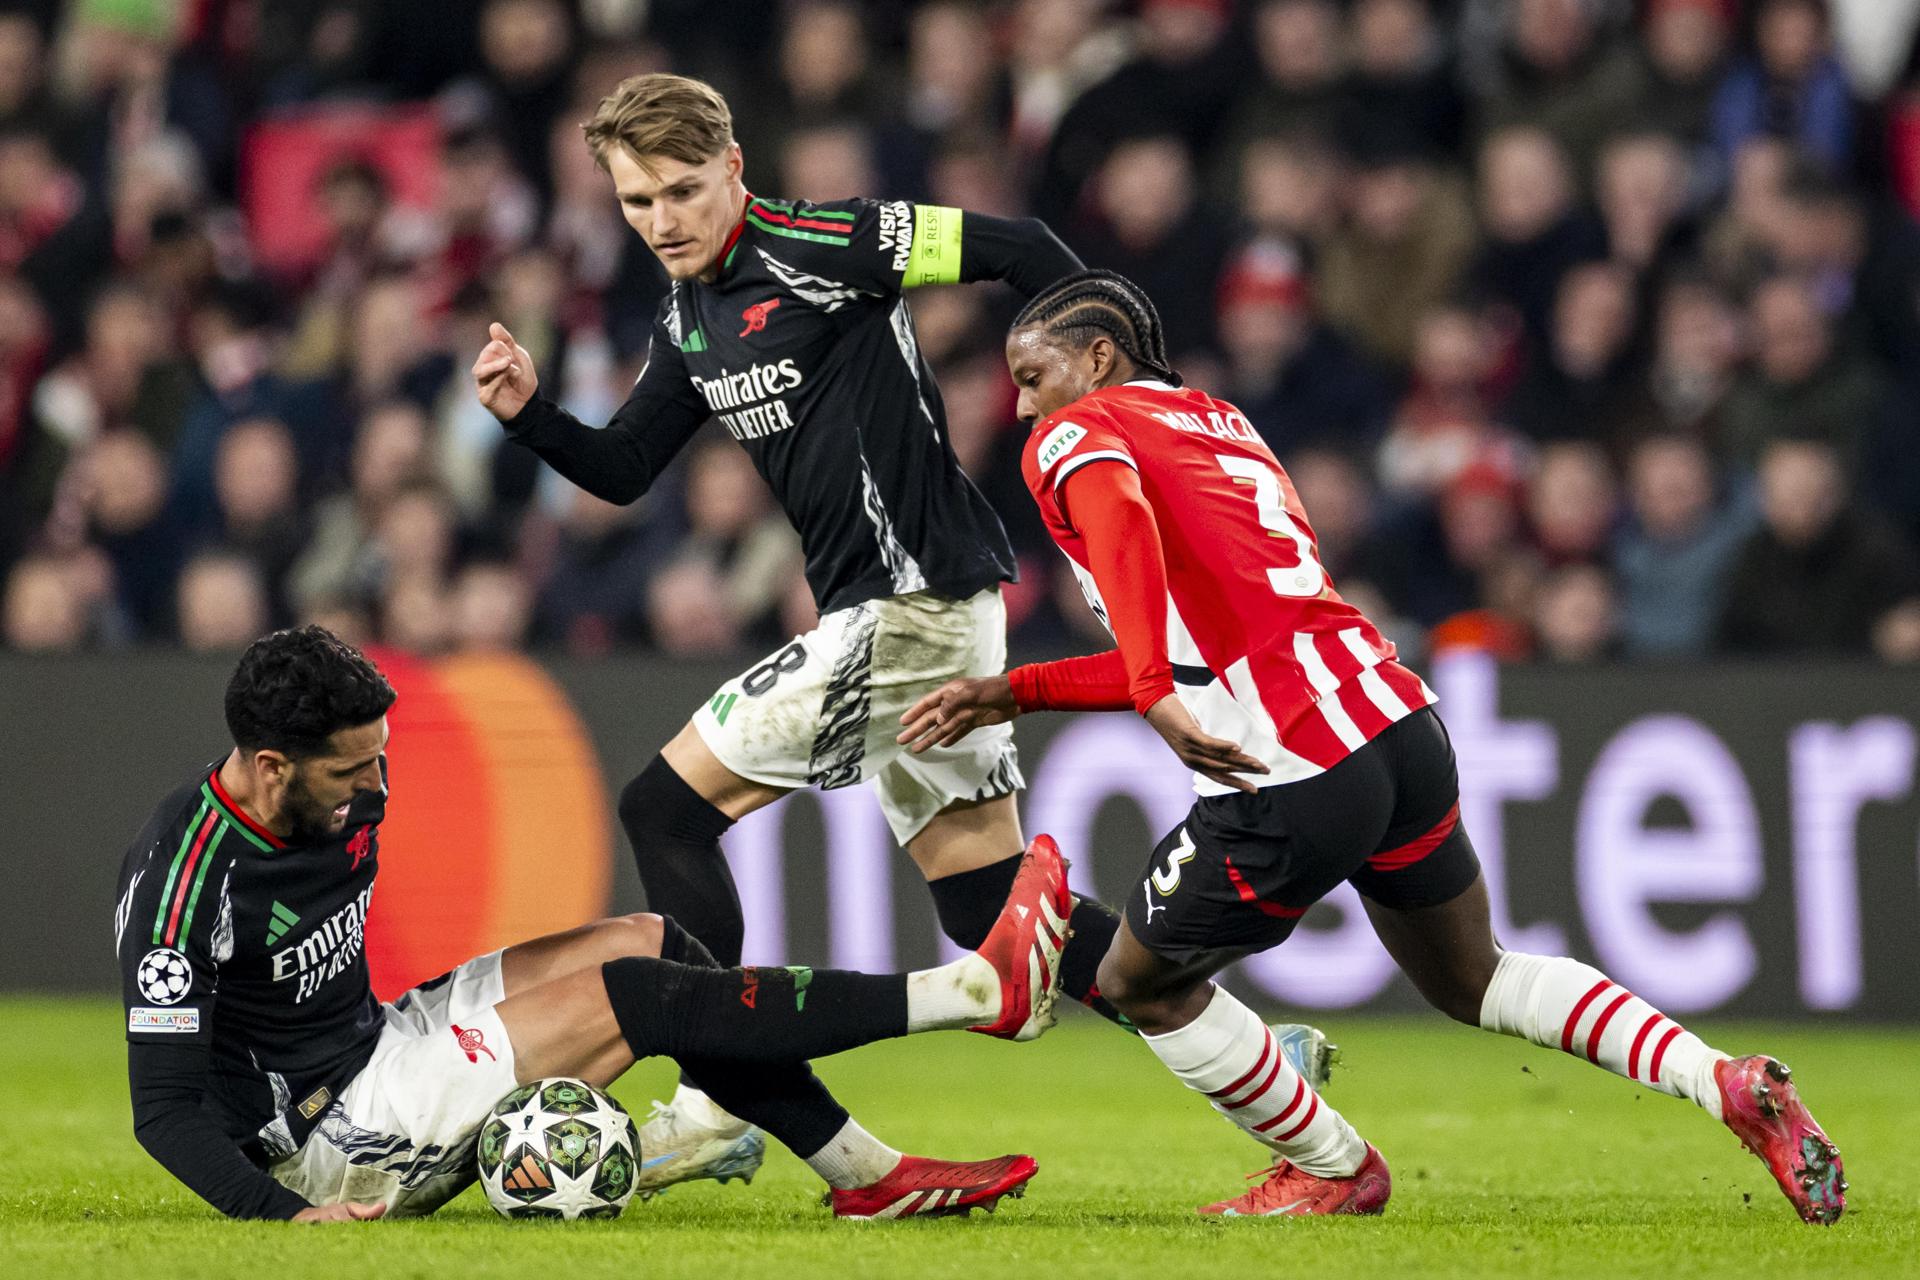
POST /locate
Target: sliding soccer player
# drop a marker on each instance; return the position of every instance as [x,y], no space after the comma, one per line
[267,1078]
[1317,757]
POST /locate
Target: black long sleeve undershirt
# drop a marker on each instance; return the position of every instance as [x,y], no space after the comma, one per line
[167,1082]
[1023,252]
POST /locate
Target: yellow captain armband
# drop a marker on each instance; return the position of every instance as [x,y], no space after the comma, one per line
[935,256]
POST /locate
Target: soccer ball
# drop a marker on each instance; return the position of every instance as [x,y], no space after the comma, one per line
[558,1148]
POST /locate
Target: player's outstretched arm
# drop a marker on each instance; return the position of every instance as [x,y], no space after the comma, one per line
[1023,252]
[618,462]
[956,709]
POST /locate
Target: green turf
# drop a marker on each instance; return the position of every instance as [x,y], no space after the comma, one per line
[1507,1161]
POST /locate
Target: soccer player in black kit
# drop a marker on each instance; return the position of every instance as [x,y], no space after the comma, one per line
[267,1078]
[788,322]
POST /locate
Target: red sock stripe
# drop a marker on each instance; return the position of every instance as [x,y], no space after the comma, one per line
[1266,1051]
[1659,1052]
[1293,1104]
[1573,1019]
[1265,1085]
[1600,1026]
[1306,1120]
[1633,1054]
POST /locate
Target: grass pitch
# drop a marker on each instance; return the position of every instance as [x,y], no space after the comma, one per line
[1507,1161]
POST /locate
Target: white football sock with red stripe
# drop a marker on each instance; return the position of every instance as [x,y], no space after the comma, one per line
[1229,1055]
[1563,1004]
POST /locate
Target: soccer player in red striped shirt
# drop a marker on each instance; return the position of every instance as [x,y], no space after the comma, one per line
[1317,756]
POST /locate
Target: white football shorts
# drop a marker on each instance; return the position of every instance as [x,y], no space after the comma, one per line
[402,1133]
[822,710]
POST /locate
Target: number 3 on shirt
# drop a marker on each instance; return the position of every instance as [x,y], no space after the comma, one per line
[1306,578]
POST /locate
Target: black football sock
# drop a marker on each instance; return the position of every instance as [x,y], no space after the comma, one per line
[969,902]
[761,1015]
[784,1098]
[676,844]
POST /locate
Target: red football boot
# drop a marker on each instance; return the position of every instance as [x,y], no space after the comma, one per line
[923,1188]
[1291,1192]
[1759,1103]
[1025,944]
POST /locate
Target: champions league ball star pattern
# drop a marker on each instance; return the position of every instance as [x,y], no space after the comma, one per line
[558,1148]
[164,976]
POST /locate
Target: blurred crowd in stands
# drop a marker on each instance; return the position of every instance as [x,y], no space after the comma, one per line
[1586,328]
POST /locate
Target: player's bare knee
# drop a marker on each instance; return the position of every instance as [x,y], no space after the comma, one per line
[1128,990]
[638,934]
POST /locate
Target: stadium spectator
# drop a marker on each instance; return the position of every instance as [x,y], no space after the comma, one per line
[258,515]
[1443,423]
[338,563]
[1181,82]
[1738,247]
[222,603]
[1582,379]
[492,608]
[1561,74]
[595,595]
[1151,227]
[44,610]
[1792,87]
[1685,44]
[1818,576]
[1400,82]
[1676,549]
[1534,232]
[1503,224]
[121,485]
[1299,86]
[1288,187]
[746,545]
[1803,382]
[1575,615]
[1407,235]
[1696,354]
[1642,188]
[827,162]
[1572,504]
[1298,381]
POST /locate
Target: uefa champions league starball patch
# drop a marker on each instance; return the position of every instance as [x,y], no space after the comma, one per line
[164,976]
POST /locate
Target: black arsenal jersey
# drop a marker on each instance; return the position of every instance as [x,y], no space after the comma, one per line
[230,939]
[803,348]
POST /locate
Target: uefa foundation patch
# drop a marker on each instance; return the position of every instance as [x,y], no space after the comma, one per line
[164,1021]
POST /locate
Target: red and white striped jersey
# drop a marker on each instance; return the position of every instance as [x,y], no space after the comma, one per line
[1264,650]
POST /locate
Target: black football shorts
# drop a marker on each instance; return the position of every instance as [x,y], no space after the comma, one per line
[1242,869]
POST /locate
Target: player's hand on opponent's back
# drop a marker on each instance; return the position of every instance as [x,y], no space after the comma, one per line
[503,376]
[348,1212]
[1210,757]
[955,710]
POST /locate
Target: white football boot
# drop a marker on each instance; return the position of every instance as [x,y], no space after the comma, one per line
[690,1138]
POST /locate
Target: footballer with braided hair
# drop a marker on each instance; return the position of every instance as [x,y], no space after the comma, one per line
[1318,759]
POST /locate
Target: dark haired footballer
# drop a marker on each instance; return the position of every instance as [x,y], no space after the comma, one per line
[1317,757]
[788,323]
[268,1079]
